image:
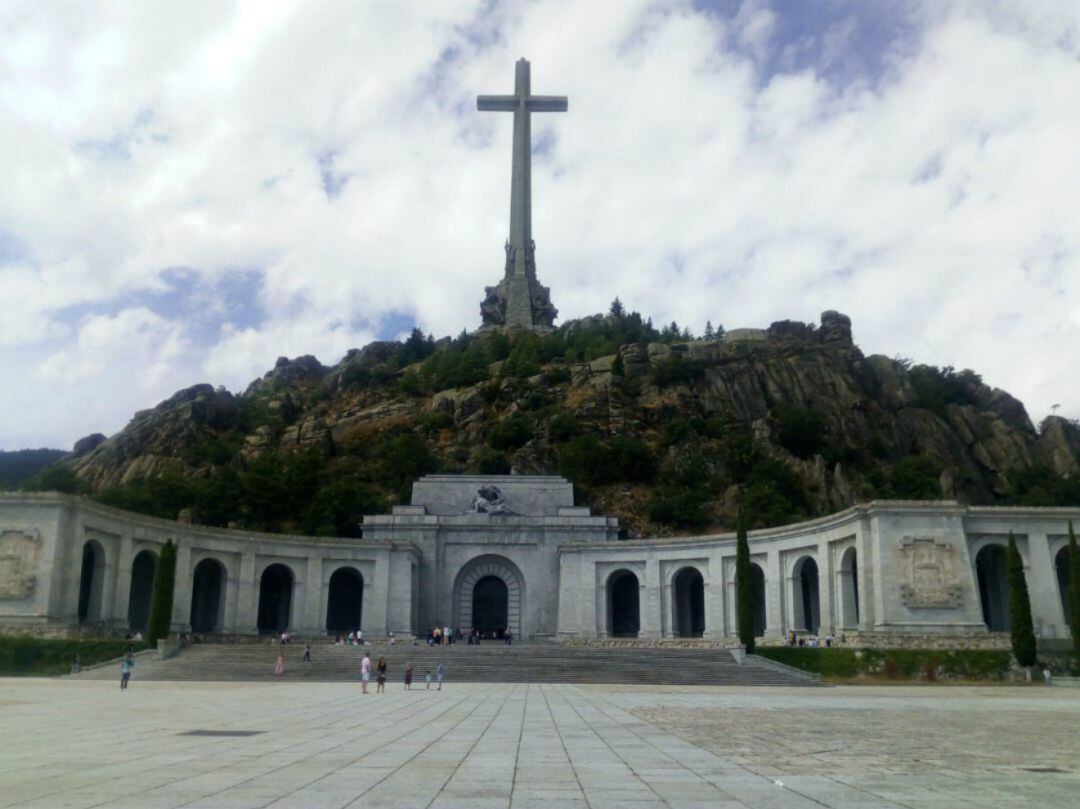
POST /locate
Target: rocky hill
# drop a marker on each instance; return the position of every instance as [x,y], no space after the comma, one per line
[668,433]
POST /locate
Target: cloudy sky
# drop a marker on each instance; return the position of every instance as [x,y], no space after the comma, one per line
[189,190]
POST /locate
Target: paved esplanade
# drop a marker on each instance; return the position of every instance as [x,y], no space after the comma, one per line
[72,745]
[522,301]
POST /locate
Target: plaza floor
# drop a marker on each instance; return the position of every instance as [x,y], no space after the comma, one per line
[66,744]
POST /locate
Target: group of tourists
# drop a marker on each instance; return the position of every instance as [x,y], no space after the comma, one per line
[382,672]
[444,635]
[813,641]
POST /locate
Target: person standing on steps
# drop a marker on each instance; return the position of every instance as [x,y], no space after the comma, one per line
[380,684]
[408,676]
[427,677]
[365,671]
[440,672]
[307,652]
[279,666]
[126,665]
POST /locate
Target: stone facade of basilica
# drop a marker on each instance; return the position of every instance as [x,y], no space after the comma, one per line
[498,553]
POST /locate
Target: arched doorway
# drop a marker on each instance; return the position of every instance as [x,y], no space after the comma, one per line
[624,613]
[489,594]
[757,582]
[688,594]
[345,600]
[991,572]
[490,602]
[91,582]
[849,590]
[207,596]
[275,598]
[1061,564]
[143,570]
[805,598]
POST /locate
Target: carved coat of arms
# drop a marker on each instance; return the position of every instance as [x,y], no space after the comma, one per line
[927,574]
[489,500]
[19,551]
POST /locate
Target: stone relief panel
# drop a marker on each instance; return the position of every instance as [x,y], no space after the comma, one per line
[928,574]
[20,549]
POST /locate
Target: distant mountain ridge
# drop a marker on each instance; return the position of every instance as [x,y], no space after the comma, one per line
[18,466]
[671,434]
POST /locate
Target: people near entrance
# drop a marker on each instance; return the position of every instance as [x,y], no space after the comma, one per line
[360,637]
[365,671]
[126,666]
[350,639]
[436,636]
[828,641]
[508,636]
[408,676]
[380,683]
[307,652]
[440,672]
[448,635]
[285,638]
[279,666]
[791,638]
[393,640]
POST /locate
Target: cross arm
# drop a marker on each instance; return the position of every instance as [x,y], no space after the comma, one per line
[496,103]
[546,103]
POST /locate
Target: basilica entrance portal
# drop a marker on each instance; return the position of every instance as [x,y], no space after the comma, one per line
[488,596]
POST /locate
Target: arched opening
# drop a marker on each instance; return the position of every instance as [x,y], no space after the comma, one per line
[207,596]
[806,600]
[1061,564]
[91,582]
[849,590]
[624,614]
[275,598]
[689,596]
[490,602]
[142,589]
[345,600]
[757,582]
[991,572]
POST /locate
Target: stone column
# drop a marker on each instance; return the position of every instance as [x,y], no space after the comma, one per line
[314,619]
[181,613]
[651,591]
[247,595]
[826,591]
[119,611]
[1046,612]
[775,601]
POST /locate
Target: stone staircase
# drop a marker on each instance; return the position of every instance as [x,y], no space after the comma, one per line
[492,662]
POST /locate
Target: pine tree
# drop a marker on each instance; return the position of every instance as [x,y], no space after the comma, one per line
[617,366]
[1074,593]
[617,310]
[709,333]
[161,602]
[1022,630]
[744,587]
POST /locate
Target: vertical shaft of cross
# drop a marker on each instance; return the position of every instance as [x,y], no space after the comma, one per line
[521,177]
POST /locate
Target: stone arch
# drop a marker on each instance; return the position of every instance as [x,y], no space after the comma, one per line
[344,600]
[1061,566]
[91,582]
[688,602]
[757,583]
[143,570]
[992,575]
[276,586]
[471,575]
[849,589]
[208,596]
[624,604]
[805,596]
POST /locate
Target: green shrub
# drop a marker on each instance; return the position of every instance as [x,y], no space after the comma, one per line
[432,423]
[915,478]
[338,508]
[801,431]
[513,432]
[489,461]
[563,427]
[744,591]
[907,664]
[677,371]
[41,657]
[1020,626]
[936,388]
[161,600]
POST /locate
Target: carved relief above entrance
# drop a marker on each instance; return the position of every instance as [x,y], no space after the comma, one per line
[19,552]
[927,571]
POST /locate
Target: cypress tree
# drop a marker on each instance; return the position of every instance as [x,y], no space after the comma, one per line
[161,602]
[1022,631]
[744,587]
[1074,593]
[617,366]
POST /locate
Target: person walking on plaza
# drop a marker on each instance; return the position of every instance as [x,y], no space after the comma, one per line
[427,678]
[408,676]
[126,665]
[440,672]
[279,666]
[365,671]
[380,685]
[307,652]
[75,665]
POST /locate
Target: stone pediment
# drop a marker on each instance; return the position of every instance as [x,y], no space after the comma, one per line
[493,495]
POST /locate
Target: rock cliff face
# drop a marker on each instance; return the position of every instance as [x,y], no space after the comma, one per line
[846,425]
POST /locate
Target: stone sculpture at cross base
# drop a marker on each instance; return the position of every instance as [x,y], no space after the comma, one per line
[519,300]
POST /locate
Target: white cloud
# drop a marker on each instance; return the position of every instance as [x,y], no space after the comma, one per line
[934,205]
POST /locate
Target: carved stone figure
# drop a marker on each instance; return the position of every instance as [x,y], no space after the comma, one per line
[489,500]
[928,574]
[19,552]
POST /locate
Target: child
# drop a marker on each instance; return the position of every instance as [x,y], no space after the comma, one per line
[126,666]
[427,679]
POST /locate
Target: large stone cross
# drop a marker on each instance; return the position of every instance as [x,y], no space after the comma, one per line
[519,291]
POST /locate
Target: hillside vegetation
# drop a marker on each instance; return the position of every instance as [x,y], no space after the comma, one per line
[667,432]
